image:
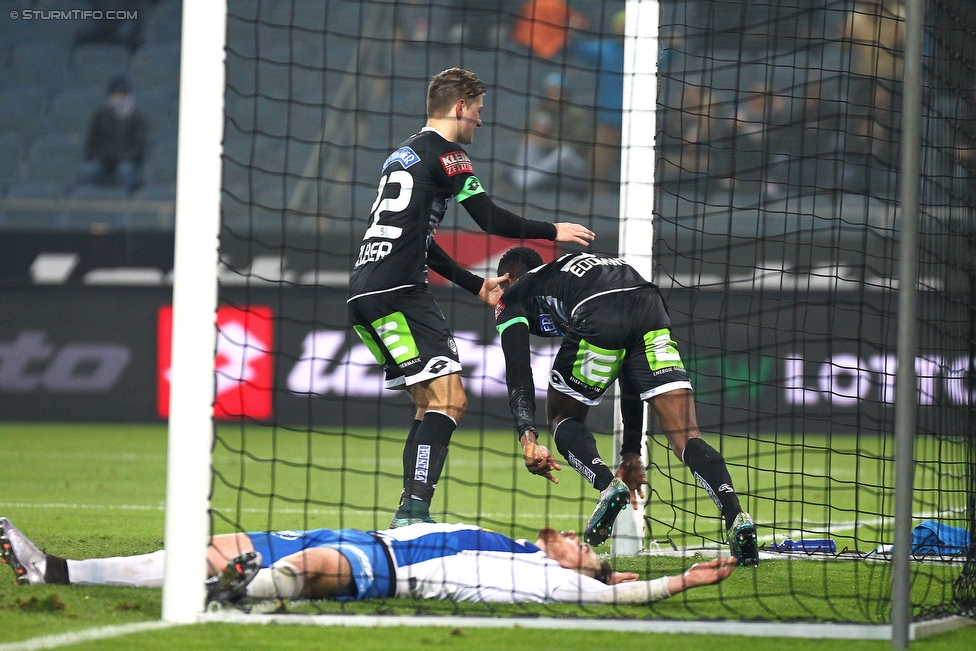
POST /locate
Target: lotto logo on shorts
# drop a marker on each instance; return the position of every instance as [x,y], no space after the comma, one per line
[457,162]
[243,363]
[423,463]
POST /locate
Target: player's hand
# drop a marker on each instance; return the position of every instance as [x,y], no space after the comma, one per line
[622,577]
[491,290]
[538,458]
[575,233]
[631,472]
[708,573]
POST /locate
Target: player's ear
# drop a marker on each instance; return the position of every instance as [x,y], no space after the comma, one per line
[459,108]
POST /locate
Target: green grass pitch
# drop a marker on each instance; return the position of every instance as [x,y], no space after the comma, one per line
[84,491]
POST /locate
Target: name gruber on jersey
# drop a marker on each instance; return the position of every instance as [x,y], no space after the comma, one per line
[373,251]
[580,265]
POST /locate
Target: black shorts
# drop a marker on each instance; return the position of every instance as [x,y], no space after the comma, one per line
[625,332]
[407,334]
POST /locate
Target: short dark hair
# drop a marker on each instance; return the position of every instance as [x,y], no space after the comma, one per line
[119,84]
[517,261]
[447,87]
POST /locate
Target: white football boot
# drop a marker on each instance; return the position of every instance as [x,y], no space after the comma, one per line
[16,550]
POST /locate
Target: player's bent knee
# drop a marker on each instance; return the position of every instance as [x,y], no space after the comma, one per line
[678,442]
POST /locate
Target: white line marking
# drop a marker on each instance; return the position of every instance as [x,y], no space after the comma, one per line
[64,639]
[757,629]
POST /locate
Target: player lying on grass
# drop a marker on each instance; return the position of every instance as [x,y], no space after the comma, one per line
[423,561]
[615,326]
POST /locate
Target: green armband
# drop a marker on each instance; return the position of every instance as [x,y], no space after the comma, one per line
[472,186]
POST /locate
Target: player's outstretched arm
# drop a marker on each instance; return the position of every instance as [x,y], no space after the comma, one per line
[626,591]
[538,458]
[574,233]
[495,220]
[700,574]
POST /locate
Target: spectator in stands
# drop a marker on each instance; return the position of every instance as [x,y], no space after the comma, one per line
[762,140]
[697,138]
[116,140]
[607,56]
[553,154]
[543,26]
[125,31]
[874,36]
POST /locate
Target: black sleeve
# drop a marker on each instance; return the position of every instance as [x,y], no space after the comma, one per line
[497,221]
[518,376]
[442,263]
[632,414]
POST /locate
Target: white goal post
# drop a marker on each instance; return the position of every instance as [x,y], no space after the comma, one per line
[198,182]
[636,234]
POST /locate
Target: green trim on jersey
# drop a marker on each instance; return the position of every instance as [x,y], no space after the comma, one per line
[396,336]
[504,326]
[661,350]
[370,343]
[472,186]
[596,366]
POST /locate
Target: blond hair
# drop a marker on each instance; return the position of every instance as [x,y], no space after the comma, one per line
[447,87]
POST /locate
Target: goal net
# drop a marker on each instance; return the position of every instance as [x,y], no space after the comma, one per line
[775,209]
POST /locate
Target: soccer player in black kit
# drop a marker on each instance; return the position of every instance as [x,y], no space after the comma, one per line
[390,305]
[615,326]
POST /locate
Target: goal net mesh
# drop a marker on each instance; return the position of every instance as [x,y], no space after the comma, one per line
[776,227]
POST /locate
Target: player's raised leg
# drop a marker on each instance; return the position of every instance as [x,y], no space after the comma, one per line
[675,411]
[574,440]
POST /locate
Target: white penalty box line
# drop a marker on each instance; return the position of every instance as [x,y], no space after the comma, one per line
[917,630]
[833,631]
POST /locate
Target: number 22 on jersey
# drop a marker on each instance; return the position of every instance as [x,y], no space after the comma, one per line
[374,251]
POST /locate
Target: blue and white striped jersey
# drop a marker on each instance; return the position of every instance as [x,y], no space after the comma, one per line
[462,562]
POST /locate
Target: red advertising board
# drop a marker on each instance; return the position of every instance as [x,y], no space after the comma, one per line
[243,364]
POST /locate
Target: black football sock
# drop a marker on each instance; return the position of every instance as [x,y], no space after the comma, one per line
[427,456]
[409,456]
[575,442]
[708,466]
[56,570]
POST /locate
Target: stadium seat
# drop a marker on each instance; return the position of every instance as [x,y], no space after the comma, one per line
[156,192]
[54,158]
[155,64]
[160,163]
[39,62]
[87,191]
[17,32]
[10,162]
[315,15]
[164,23]
[71,110]
[23,107]
[96,64]
[161,106]
[37,190]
